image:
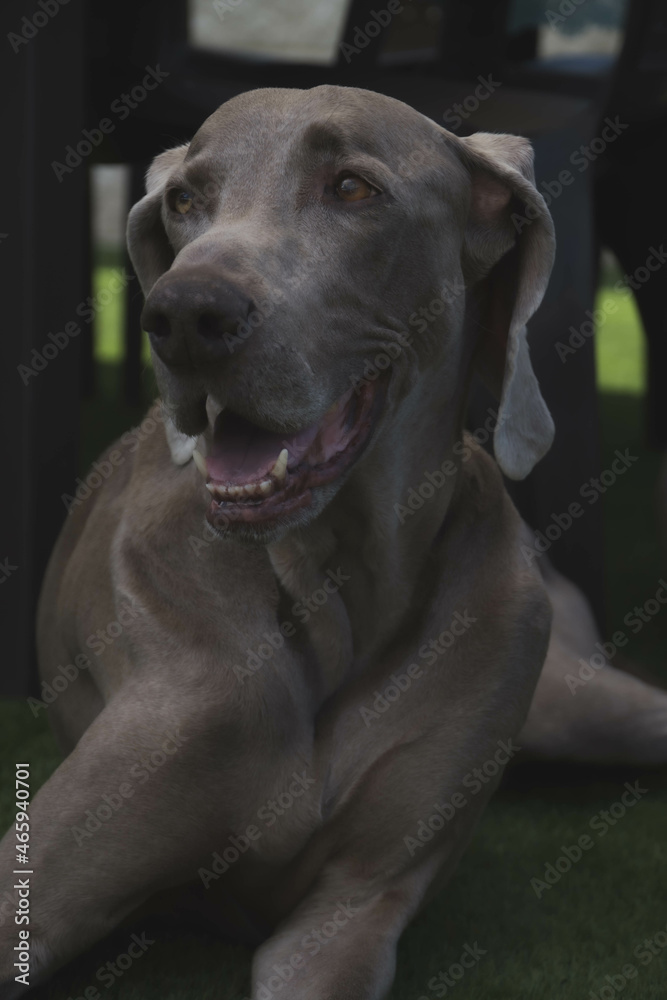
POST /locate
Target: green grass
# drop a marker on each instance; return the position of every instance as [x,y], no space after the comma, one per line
[585,928]
[109,318]
[619,347]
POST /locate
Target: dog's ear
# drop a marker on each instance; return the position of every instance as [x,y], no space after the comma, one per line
[147,242]
[151,256]
[508,253]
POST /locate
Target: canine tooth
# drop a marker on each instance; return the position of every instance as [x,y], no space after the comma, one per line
[266,487]
[279,470]
[200,462]
[250,490]
[213,410]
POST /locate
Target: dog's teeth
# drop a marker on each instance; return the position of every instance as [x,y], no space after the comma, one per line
[279,470]
[200,462]
[241,493]
[213,410]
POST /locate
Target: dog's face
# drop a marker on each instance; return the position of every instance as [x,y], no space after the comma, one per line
[305,260]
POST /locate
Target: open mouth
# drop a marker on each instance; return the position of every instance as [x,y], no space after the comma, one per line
[255,475]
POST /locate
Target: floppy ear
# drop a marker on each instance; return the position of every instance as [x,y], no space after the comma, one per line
[508,254]
[147,242]
[151,256]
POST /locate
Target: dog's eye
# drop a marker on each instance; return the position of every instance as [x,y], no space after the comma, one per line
[353,188]
[180,201]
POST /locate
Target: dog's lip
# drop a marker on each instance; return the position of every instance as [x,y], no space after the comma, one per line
[288,485]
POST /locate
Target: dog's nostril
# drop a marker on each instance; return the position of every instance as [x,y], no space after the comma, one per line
[160,327]
[210,326]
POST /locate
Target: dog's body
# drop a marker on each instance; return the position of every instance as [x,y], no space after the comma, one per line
[313,696]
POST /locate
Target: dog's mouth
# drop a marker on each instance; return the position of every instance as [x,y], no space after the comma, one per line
[258,476]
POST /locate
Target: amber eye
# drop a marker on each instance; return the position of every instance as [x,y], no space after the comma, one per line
[353,188]
[180,201]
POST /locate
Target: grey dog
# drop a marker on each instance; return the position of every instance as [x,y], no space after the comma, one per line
[324,614]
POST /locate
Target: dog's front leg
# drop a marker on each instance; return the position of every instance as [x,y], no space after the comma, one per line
[377,860]
[132,810]
[416,749]
[376,872]
[340,944]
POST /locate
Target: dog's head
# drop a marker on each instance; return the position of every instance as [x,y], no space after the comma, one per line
[312,261]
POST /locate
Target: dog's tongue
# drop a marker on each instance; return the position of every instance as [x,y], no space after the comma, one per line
[242,453]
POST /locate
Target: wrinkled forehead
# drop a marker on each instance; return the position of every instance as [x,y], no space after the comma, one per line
[281,126]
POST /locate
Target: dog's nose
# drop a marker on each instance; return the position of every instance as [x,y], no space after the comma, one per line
[195,316]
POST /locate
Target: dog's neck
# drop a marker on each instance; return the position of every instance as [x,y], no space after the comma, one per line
[375,538]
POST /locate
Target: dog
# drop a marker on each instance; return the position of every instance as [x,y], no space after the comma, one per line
[302,608]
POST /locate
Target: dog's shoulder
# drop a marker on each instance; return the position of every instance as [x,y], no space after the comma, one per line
[483,532]
[481,497]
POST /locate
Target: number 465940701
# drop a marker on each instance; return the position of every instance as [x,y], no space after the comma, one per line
[22,824]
